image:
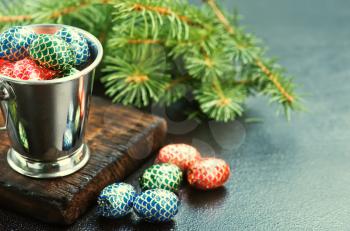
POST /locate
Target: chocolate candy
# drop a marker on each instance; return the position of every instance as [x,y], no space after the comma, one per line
[6,69]
[156,205]
[116,200]
[14,43]
[26,69]
[69,72]
[51,52]
[78,44]
[60,52]
[162,176]
[182,155]
[3,61]
[208,173]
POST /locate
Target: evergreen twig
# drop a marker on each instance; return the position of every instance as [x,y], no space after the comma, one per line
[272,77]
[162,51]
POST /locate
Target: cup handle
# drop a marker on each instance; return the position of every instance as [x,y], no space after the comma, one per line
[4,96]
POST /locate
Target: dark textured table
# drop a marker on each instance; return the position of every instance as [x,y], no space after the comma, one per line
[286,176]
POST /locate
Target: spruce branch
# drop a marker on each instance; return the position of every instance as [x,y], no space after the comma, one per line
[151,16]
[175,90]
[206,66]
[15,18]
[137,75]
[13,14]
[54,10]
[68,7]
[220,103]
[222,18]
[10,13]
[274,79]
[162,11]
[161,51]
[268,73]
[208,53]
[144,41]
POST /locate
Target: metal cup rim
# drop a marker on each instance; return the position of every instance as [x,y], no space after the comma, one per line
[83,72]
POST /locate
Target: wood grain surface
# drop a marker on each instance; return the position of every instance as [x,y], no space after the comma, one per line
[120,139]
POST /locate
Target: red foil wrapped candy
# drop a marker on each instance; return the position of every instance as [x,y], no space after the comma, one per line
[6,68]
[208,173]
[3,61]
[27,69]
[182,155]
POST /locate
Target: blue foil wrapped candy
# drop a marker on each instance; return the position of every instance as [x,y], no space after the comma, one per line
[156,205]
[116,200]
[14,43]
[78,44]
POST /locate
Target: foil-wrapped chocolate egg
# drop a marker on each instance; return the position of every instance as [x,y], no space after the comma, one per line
[26,69]
[14,43]
[208,173]
[78,44]
[162,176]
[182,155]
[6,69]
[51,52]
[69,72]
[156,205]
[116,200]
[3,61]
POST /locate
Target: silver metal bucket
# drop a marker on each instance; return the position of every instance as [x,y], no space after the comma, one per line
[46,120]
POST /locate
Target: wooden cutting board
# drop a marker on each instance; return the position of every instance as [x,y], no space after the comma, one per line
[120,139]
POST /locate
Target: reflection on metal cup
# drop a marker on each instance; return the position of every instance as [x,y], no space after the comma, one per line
[46,120]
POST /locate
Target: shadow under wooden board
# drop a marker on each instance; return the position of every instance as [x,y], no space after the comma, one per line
[120,139]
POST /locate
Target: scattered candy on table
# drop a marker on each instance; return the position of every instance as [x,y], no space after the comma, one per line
[208,173]
[162,176]
[116,200]
[26,55]
[78,45]
[182,155]
[156,205]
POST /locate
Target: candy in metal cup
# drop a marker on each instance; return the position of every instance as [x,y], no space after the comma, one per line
[46,120]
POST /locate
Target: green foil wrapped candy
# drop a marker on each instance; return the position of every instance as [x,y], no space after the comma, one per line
[161,176]
[51,52]
[70,72]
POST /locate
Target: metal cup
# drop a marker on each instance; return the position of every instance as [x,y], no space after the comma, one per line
[46,120]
